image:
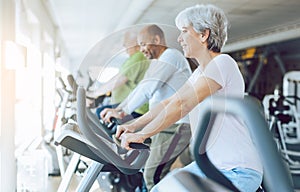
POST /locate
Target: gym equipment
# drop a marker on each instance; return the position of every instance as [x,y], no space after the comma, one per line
[290,89]
[56,167]
[65,113]
[284,123]
[97,145]
[276,176]
[110,128]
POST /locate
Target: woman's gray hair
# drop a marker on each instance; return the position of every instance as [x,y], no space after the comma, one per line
[203,17]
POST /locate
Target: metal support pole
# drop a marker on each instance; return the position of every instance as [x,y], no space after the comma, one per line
[280,63]
[91,175]
[257,72]
[66,179]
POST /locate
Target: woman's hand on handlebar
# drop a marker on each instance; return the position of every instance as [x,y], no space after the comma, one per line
[123,133]
[121,129]
[127,138]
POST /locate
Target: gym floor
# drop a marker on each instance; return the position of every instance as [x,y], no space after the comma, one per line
[53,182]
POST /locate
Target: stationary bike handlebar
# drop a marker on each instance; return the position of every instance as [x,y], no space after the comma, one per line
[115,123]
[127,165]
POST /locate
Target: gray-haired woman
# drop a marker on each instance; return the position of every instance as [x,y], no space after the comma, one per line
[230,148]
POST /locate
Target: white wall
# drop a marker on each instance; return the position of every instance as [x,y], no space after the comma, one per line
[7,149]
[8,175]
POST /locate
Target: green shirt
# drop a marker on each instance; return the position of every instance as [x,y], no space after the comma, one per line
[134,69]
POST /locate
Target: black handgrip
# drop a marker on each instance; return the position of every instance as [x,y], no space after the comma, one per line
[109,130]
[113,121]
[148,141]
[109,125]
[138,146]
[103,122]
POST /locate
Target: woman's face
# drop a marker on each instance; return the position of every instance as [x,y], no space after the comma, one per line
[190,42]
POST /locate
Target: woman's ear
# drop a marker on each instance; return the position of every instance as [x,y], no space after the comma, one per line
[204,35]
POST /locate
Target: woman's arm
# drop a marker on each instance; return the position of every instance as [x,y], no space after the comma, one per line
[171,110]
[142,121]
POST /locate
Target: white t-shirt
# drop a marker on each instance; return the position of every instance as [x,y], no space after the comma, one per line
[163,78]
[229,144]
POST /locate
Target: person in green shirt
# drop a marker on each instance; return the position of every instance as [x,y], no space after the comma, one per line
[130,74]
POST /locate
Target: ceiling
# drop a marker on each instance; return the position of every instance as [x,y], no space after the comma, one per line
[83,23]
